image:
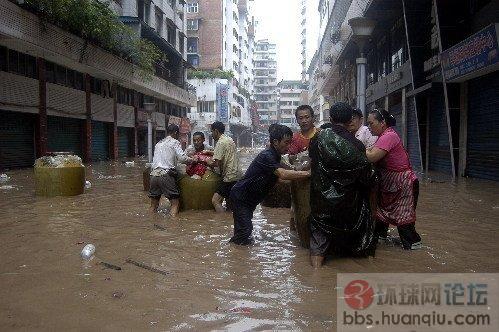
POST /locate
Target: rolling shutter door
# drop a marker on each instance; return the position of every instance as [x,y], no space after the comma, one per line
[396,111]
[440,158]
[142,141]
[65,135]
[100,141]
[17,146]
[124,140]
[413,145]
[483,124]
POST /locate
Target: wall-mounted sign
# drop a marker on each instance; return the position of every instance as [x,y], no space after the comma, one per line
[473,54]
[223,103]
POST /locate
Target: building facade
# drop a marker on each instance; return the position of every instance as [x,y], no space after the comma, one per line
[220,37]
[290,94]
[265,73]
[60,93]
[433,64]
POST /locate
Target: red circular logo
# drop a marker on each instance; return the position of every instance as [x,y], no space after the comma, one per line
[359,294]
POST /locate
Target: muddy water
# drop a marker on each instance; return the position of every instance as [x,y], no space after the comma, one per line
[210,285]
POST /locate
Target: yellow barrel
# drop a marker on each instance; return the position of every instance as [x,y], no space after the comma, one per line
[279,196]
[59,181]
[300,195]
[197,194]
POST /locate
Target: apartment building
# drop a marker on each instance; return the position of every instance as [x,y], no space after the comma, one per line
[265,73]
[220,41]
[61,93]
[290,97]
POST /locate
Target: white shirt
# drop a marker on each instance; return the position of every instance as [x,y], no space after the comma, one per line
[167,154]
[364,135]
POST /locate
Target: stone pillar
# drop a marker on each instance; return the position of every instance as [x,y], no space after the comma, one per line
[114,134]
[41,123]
[87,141]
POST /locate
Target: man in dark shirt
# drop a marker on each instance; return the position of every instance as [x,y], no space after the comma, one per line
[260,177]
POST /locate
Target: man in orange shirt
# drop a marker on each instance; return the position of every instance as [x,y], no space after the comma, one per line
[305,117]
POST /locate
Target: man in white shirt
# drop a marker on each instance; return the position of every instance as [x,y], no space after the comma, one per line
[361,132]
[167,154]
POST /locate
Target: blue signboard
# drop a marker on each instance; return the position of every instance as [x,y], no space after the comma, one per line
[472,54]
[223,103]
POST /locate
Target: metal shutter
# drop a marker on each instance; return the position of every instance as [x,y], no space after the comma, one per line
[396,111]
[17,144]
[100,141]
[440,158]
[142,141]
[124,140]
[483,124]
[413,143]
[65,135]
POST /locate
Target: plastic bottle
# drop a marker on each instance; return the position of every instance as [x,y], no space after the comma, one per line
[88,185]
[88,251]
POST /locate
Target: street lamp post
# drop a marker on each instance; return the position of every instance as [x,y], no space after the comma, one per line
[149,108]
[362,29]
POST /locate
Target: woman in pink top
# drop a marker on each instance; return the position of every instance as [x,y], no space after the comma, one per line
[399,186]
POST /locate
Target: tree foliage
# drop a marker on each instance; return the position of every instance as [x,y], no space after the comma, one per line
[96,23]
[209,74]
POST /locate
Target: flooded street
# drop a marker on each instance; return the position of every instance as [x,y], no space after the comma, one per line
[209,284]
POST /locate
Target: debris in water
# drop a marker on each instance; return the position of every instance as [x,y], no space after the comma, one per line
[4,178]
[118,295]
[146,267]
[88,251]
[161,228]
[110,266]
[7,187]
[88,185]
[130,163]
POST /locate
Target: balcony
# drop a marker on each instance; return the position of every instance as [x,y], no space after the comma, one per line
[24,30]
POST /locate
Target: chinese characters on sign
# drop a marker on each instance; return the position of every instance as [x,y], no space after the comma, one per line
[424,302]
[223,103]
[474,53]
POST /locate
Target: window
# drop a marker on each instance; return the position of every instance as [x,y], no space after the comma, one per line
[172,36]
[159,20]
[192,44]
[181,43]
[206,106]
[172,3]
[193,59]
[193,7]
[192,25]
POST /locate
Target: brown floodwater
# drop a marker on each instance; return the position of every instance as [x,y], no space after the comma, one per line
[209,284]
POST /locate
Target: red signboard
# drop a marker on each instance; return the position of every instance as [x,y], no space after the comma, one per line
[185,126]
[175,120]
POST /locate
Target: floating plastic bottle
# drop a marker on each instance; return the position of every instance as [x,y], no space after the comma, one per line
[88,251]
[88,185]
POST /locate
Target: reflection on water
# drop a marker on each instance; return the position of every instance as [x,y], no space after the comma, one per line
[211,284]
